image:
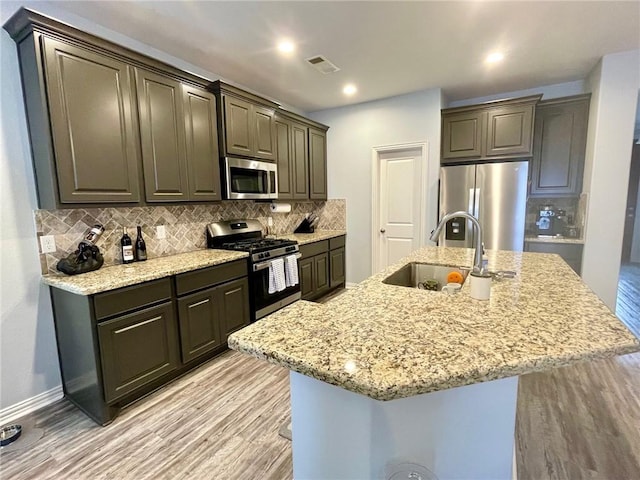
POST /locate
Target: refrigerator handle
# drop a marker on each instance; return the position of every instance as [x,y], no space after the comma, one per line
[471,201]
[476,209]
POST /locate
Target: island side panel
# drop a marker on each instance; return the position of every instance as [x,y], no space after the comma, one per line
[464,432]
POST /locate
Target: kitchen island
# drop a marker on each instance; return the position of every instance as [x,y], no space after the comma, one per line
[385,374]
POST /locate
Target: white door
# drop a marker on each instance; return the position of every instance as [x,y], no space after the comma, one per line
[400,203]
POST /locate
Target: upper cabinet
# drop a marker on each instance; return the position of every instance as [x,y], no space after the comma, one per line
[107,123]
[247,122]
[559,147]
[301,155]
[317,164]
[179,140]
[502,129]
[93,125]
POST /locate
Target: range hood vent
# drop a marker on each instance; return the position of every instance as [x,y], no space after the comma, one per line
[321,64]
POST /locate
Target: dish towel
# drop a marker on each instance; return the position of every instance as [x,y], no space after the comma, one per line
[277,281]
[291,270]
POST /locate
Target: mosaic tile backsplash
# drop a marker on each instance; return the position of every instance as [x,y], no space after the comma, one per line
[184,225]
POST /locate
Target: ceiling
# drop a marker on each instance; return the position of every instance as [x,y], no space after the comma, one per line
[385,48]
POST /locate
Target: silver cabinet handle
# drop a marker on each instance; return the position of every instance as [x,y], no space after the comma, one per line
[382,230]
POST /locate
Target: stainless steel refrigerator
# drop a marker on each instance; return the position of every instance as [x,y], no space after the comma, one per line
[495,193]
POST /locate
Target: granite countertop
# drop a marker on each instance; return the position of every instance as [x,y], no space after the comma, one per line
[118,276]
[390,342]
[317,236]
[535,238]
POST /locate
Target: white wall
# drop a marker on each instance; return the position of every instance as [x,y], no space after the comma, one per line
[28,358]
[354,131]
[614,84]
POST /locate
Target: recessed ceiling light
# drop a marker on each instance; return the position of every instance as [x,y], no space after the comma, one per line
[349,89]
[286,46]
[495,57]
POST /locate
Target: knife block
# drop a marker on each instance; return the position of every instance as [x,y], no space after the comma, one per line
[304,227]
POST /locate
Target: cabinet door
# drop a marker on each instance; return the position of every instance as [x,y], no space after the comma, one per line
[336,262]
[321,273]
[234,306]
[462,135]
[203,162]
[199,317]
[238,128]
[264,132]
[93,125]
[300,160]
[162,137]
[286,168]
[509,131]
[136,349]
[559,149]
[307,284]
[317,164]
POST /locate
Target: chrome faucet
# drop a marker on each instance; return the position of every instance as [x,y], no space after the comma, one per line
[477,258]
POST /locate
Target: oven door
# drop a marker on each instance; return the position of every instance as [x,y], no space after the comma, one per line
[264,303]
[250,179]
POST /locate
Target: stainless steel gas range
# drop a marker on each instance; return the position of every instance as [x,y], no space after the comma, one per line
[264,263]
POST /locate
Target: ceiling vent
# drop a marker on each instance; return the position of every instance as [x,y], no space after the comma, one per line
[321,64]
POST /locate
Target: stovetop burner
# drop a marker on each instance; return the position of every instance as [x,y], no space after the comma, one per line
[257,245]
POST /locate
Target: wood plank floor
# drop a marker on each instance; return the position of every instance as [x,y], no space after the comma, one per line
[222,420]
[628,300]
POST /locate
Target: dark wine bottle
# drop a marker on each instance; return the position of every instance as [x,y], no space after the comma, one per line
[141,247]
[126,247]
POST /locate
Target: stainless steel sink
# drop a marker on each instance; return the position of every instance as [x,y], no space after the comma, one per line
[424,275]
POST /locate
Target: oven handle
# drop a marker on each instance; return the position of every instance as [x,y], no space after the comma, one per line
[262,265]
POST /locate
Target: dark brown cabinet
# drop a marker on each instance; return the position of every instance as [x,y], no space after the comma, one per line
[246,123]
[179,140]
[105,122]
[322,267]
[201,133]
[93,125]
[337,262]
[559,147]
[570,252]
[502,129]
[317,164]
[137,349]
[292,156]
[116,346]
[234,306]
[199,316]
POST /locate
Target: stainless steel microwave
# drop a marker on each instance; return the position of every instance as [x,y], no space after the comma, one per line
[250,179]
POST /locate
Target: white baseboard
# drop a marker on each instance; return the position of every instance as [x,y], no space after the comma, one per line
[350,285]
[9,414]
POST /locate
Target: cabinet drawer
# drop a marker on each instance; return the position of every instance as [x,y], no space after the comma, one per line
[207,277]
[336,242]
[125,299]
[316,248]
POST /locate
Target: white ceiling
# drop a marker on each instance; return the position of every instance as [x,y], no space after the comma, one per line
[385,48]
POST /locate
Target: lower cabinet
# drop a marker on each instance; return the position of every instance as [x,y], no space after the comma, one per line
[570,252]
[322,267]
[136,349]
[115,347]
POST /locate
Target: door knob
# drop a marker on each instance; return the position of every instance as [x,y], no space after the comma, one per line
[382,230]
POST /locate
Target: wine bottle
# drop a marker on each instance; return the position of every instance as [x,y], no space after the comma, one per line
[141,246]
[127,247]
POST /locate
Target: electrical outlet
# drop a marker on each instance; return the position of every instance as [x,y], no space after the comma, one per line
[269,221]
[161,232]
[47,244]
